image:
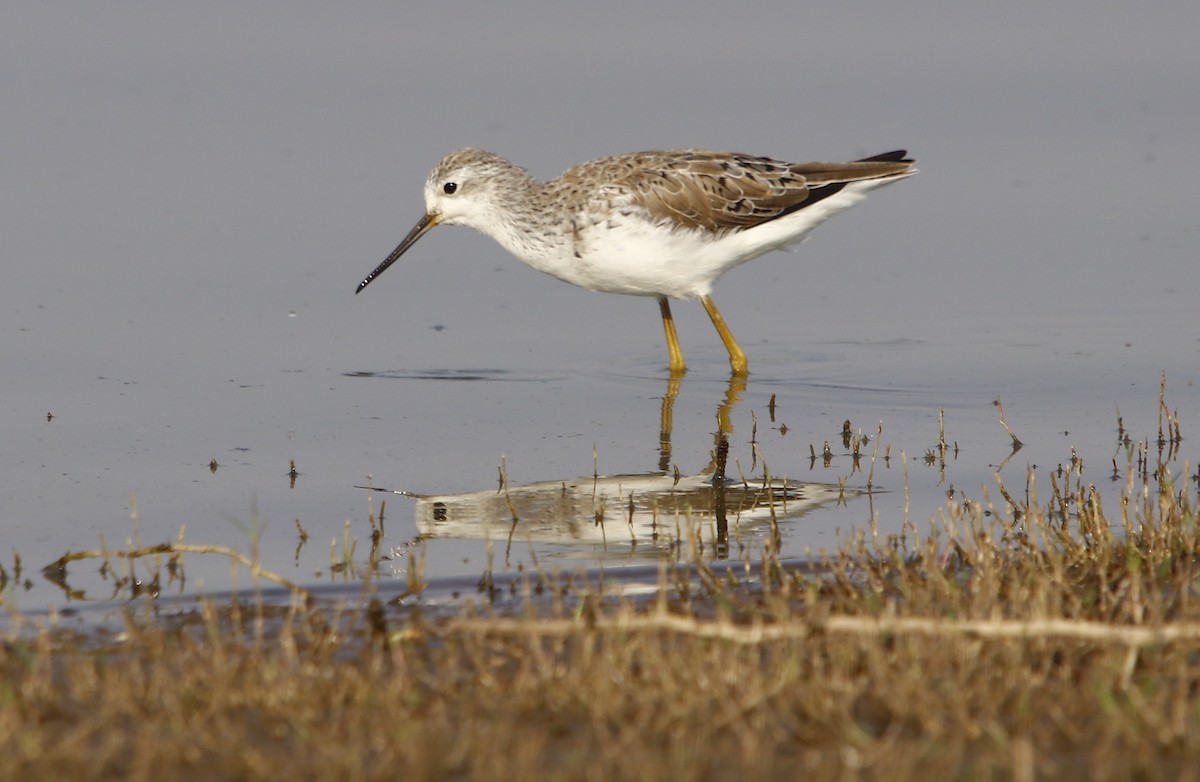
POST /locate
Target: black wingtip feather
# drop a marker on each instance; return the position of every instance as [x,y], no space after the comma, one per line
[895,156]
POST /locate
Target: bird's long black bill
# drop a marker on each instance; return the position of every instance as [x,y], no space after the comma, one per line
[425,223]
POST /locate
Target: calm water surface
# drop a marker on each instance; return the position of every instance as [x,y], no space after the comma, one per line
[192,194]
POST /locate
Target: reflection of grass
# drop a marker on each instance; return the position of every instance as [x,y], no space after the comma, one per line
[118,565]
[173,551]
[1023,638]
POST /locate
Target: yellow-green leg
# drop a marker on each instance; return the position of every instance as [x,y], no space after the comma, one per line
[737,359]
[665,422]
[678,367]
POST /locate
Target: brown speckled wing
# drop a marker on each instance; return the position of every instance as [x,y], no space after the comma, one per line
[722,192]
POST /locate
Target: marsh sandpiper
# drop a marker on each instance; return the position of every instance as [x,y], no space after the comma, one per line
[665,224]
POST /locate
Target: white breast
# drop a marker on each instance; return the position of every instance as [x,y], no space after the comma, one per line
[627,253]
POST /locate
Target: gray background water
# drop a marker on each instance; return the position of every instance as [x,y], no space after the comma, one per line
[192,191]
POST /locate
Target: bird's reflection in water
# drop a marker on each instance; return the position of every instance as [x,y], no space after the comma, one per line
[639,513]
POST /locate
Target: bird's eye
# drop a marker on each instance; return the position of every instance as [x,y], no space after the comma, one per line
[449,188]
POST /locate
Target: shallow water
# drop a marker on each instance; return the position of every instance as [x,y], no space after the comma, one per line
[186,222]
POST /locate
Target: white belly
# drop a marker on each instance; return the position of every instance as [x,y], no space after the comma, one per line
[631,255]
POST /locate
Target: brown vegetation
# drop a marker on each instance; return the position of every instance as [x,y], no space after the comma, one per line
[1022,639]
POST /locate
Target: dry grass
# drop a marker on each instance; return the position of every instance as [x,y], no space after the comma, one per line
[1026,639]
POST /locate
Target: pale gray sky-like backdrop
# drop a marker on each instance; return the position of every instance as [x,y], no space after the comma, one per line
[191,192]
